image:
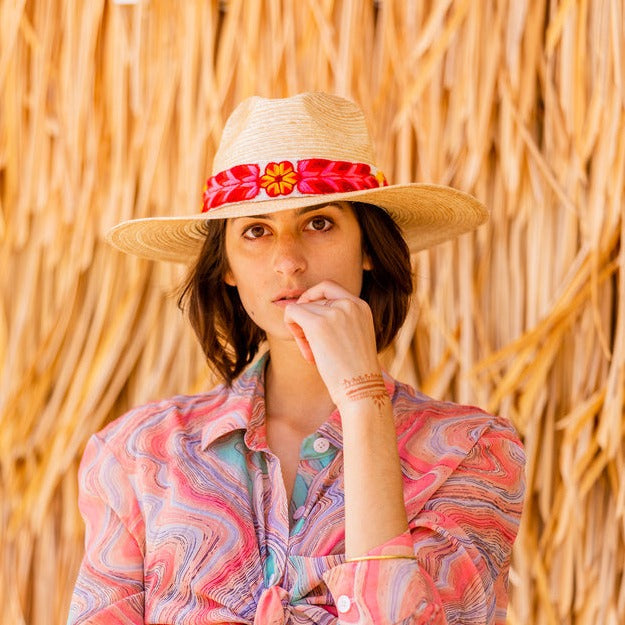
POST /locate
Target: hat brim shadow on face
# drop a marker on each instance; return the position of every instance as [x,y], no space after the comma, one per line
[427,214]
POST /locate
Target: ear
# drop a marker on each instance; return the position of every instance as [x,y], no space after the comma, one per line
[367,265]
[229,278]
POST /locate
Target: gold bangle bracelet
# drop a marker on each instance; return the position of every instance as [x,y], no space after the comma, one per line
[386,557]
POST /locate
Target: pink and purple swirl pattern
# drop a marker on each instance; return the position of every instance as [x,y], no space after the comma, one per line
[187,519]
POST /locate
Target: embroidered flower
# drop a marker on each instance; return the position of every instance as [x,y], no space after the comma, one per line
[278,179]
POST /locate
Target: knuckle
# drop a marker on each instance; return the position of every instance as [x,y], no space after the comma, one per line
[335,313]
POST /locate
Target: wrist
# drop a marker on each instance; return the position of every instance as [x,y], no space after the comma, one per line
[374,406]
[362,389]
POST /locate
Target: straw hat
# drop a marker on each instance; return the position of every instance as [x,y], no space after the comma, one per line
[277,154]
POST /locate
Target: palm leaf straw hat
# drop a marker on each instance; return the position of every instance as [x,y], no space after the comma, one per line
[309,149]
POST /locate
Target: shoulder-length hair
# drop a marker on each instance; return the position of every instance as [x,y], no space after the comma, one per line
[229,337]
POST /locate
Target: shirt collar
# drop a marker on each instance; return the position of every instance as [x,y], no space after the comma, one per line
[243,408]
[243,405]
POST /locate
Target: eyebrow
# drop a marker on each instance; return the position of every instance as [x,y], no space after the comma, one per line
[299,212]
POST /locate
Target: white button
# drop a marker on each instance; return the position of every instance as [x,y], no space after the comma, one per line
[321,445]
[343,603]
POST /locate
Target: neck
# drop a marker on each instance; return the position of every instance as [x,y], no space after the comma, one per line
[295,394]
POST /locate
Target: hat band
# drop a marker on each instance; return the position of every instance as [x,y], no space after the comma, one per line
[312,176]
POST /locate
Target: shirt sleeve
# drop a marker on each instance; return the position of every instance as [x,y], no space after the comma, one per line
[462,539]
[109,588]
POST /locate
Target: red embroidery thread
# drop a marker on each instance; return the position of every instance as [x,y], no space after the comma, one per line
[318,175]
[232,185]
[313,176]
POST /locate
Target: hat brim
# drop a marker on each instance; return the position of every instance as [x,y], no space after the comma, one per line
[426,213]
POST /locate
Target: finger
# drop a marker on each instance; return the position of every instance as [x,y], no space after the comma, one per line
[326,290]
[327,307]
[301,341]
[308,312]
[303,320]
[316,307]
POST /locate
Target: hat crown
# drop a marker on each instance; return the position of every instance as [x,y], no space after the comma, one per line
[308,125]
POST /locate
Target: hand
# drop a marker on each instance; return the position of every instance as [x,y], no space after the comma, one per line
[334,329]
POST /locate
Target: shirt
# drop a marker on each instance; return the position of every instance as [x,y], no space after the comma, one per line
[187,520]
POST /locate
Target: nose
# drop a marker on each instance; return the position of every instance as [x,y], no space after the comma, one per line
[288,255]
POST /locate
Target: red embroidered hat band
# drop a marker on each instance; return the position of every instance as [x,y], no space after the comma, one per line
[313,176]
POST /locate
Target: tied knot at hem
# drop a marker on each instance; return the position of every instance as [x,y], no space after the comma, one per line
[272,606]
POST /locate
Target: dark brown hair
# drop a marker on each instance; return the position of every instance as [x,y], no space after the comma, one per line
[230,339]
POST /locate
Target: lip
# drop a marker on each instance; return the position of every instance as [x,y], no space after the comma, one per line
[283,303]
[287,297]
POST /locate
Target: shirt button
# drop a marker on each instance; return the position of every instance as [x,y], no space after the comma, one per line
[321,445]
[343,603]
[299,513]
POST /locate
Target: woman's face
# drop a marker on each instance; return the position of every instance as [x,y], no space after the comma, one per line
[274,258]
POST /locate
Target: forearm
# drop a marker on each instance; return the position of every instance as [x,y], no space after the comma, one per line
[335,330]
[374,501]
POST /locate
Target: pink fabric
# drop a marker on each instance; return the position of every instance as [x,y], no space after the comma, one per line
[187,519]
[270,610]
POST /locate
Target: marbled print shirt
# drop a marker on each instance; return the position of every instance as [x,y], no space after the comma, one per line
[187,520]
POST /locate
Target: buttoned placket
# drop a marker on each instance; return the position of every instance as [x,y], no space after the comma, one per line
[314,449]
[274,519]
[316,454]
[272,508]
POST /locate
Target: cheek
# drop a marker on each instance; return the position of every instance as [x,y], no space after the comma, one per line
[236,267]
[247,294]
[247,301]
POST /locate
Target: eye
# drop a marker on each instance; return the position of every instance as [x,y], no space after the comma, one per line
[255,231]
[319,224]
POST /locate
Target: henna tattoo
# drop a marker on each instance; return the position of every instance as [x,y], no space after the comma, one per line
[367,386]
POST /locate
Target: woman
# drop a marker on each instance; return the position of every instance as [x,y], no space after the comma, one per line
[309,487]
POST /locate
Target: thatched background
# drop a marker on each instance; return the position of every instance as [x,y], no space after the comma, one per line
[108,112]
